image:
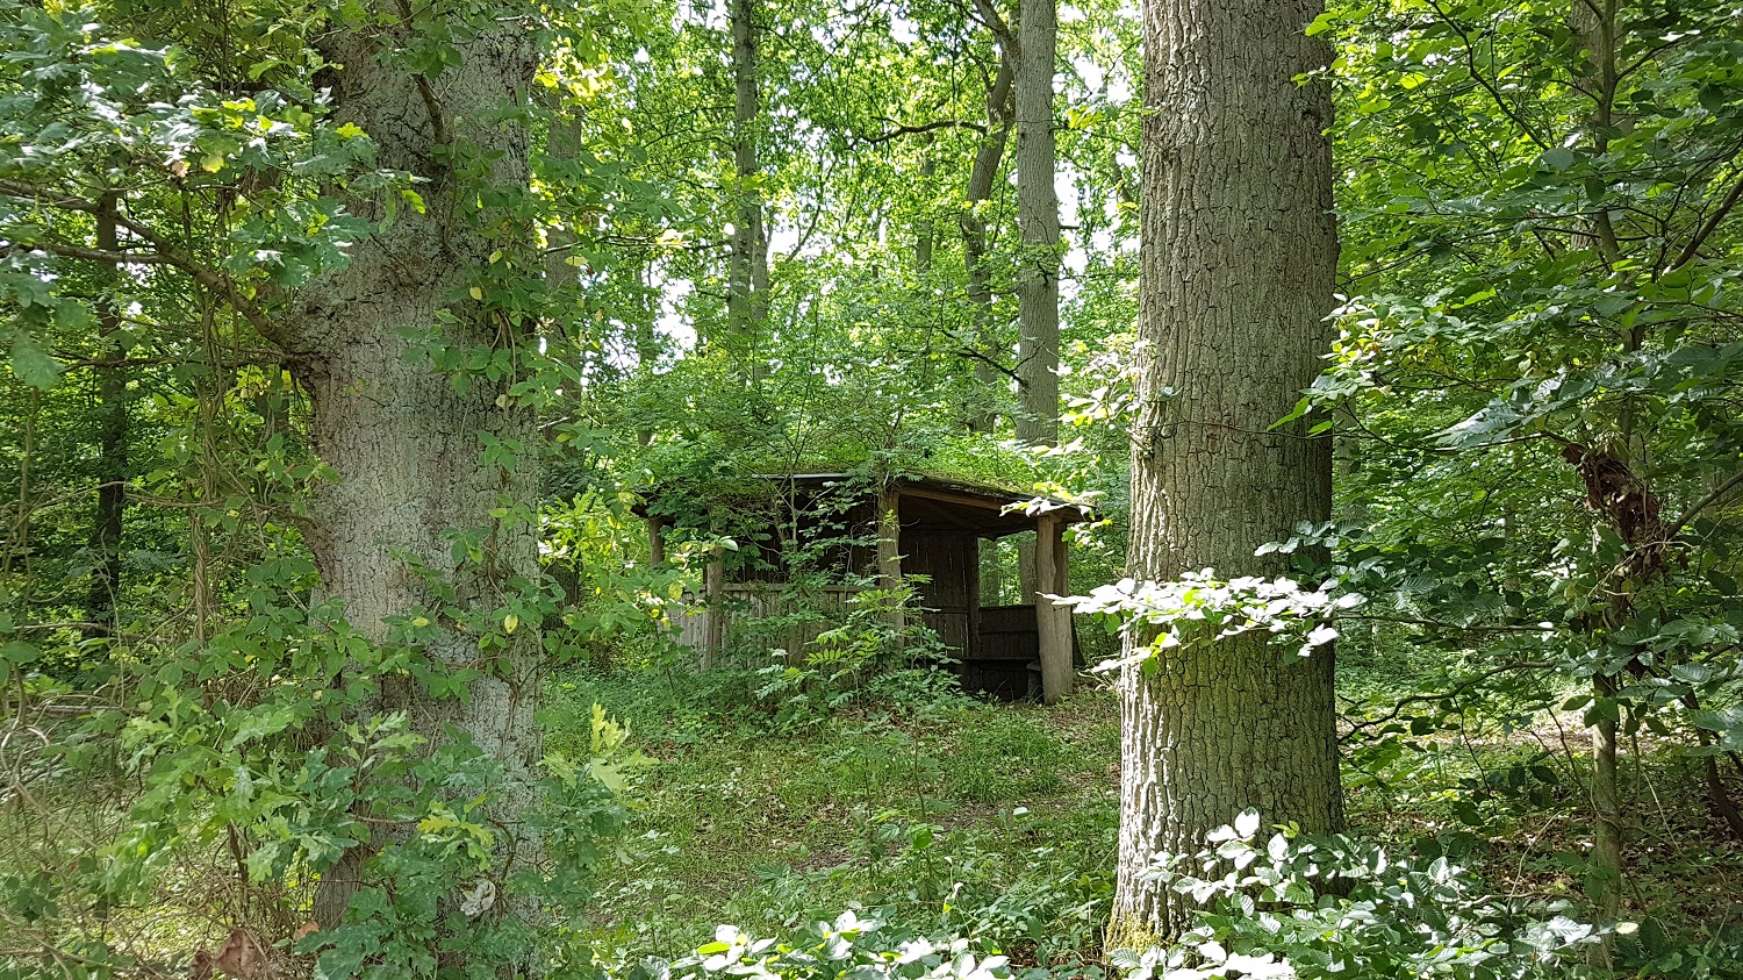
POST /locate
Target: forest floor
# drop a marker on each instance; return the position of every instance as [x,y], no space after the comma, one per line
[946,815]
[936,814]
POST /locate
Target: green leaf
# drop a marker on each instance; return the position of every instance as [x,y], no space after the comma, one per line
[1557,158]
[1603,710]
[1300,409]
[33,365]
[18,653]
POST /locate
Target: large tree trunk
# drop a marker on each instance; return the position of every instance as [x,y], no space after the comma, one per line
[1038,219]
[1239,254]
[1038,270]
[406,441]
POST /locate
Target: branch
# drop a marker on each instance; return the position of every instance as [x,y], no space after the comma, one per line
[973,354]
[438,131]
[1449,627]
[1712,223]
[909,130]
[1450,695]
[216,281]
[989,15]
[167,254]
[1471,66]
[81,252]
[1718,493]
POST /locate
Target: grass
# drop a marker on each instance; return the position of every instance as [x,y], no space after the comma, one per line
[949,814]
[944,815]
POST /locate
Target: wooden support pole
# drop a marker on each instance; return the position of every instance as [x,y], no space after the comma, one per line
[890,547]
[971,588]
[1052,623]
[714,587]
[656,540]
[1062,586]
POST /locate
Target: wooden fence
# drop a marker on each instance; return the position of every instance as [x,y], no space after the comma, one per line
[760,617]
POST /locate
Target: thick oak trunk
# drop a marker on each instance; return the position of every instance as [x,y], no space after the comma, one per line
[1239,254]
[408,442]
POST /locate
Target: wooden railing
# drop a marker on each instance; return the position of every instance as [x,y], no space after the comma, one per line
[747,609]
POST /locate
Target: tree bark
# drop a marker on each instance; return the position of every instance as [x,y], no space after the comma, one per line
[714,598]
[1596,25]
[1038,219]
[1038,268]
[1606,872]
[890,550]
[111,503]
[983,416]
[1052,623]
[748,276]
[925,233]
[1238,259]
[404,438]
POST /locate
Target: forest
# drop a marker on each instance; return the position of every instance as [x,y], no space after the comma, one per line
[871,489]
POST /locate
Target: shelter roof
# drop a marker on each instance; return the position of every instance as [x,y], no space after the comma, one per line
[940,503]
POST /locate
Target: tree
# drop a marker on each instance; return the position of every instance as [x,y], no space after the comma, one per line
[1238,258]
[111,502]
[748,278]
[1561,352]
[989,153]
[1038,268]
[1038,219]
[405,439]
[369,281]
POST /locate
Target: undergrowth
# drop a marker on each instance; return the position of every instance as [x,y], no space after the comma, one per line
[938,815]
[934,813]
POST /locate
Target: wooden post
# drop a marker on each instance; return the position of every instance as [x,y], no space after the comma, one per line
[971,559]
[890,546]
[656,540]
[714,587]
[1052,623]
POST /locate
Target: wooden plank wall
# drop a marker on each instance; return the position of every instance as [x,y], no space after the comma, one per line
[1006,658]
[948,560]
[750,601]
[1008,632]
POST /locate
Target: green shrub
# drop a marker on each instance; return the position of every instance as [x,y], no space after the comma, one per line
[1297,905]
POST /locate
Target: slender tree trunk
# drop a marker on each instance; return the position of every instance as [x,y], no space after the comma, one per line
[748,276]
[983,414]
[647,340]
[1038,269]
[405,440]
[1606,877]
[925,232]
[1595,23]
[1239,255]
[111,503]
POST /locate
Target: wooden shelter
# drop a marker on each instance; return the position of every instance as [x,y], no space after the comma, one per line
[921,528]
